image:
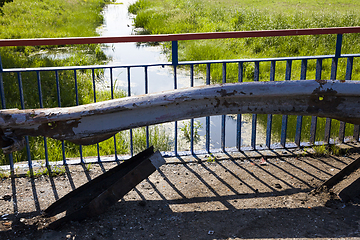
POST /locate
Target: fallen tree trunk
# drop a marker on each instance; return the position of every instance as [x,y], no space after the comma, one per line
[92,123]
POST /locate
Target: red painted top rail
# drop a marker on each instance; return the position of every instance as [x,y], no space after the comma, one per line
[176,37]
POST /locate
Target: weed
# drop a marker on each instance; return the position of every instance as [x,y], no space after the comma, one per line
[51,171]
[186,131]
[4,174]
[88,167]
[326,150]
[211,158]
[158,137]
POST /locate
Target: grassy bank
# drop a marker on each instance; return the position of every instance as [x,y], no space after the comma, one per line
[182,16]
[52,18]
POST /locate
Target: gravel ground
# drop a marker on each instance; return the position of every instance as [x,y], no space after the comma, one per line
[230,198]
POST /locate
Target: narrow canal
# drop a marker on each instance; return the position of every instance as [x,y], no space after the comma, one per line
[118,22]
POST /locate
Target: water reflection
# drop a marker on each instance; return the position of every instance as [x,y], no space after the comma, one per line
[118,22]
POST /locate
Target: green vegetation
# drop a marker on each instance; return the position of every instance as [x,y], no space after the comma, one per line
[53,18]
[183,16]
[52,171]
[186,131]
[326,150]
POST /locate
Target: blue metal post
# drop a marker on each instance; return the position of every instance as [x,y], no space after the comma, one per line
[94,89]
[313,126]
[175,53]
[112,97]
[2,93]
[254,116]
[22,102]
[176,123]
[41,106]
[238,121]
[192,120]
[1,67]
[146,92]
[269,117]
[349,68]
[59,105]
[300,118]
[285,117]
[207,130]
[77,104]
[223,117]
[333,77]
[129,94]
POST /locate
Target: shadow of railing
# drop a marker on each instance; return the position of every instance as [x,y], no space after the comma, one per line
[224,199]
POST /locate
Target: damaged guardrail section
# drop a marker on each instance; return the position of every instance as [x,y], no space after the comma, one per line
[92,123]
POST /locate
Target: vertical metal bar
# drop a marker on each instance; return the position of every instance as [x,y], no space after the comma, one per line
[129,94]
[314,119]
[192,120]
[146,92]
[238,119]
[254,116]
[176,123]
[175,53]
[300,118]
[1,66]
[22,102]
[223,117]
[41,106]
[285,117]
[59,105]
[111,83]
[77,104]
[2,93]
[334,67]
[349,67]
[207,143]
[269,116]
[112,97]
[57,88]
[94,89]
[3,106]
[339,38]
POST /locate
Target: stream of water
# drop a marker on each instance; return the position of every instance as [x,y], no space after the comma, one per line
[118,22]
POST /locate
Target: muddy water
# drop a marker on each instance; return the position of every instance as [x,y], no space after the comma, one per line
[118,22]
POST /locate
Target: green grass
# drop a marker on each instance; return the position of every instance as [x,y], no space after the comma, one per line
[53,18]
[52,171]
[182,16]
[326,150]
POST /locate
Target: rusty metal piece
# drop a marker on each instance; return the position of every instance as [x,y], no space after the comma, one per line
[92,123]
[96,196]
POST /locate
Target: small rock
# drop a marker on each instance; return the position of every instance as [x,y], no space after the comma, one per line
[210,232]
[277,185]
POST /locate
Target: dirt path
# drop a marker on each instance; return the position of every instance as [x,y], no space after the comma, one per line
[188,199]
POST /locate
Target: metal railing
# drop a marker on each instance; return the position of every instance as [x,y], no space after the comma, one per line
[175,65]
